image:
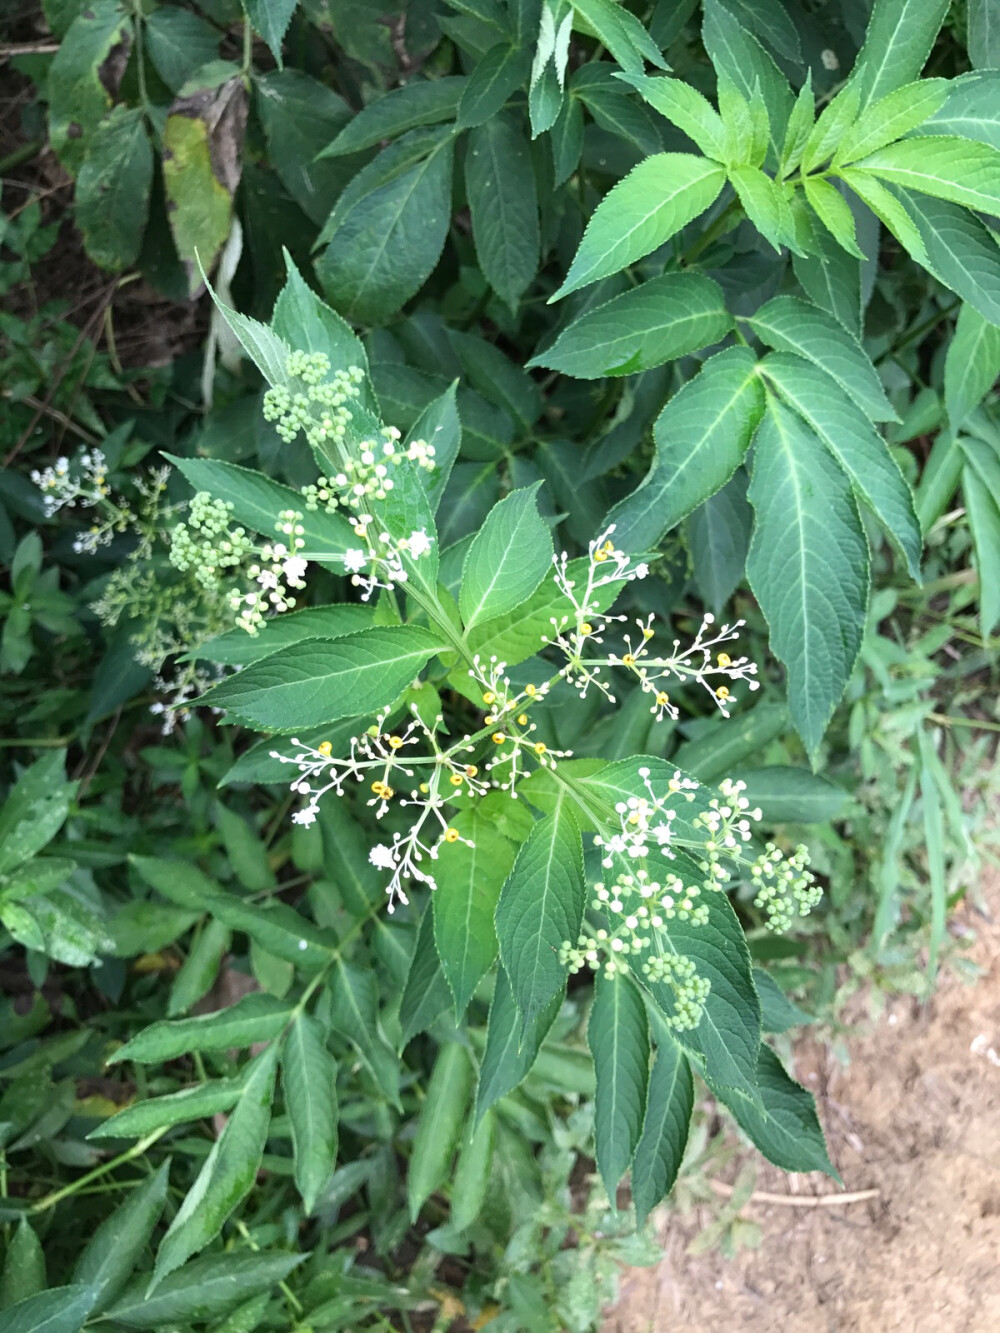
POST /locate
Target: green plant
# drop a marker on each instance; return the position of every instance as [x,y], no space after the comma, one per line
[711,307]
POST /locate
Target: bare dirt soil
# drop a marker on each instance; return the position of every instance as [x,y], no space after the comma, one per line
[915,1116]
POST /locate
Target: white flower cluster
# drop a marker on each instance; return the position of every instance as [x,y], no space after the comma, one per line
[609,568]
[83,483]
[281,567]
[379,563]
[377,758]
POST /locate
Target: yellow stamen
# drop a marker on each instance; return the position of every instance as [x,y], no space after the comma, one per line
[522,719]
[325,748]
[725,660]
[628,660]
[600,556]
[489,697]
[722,692]
[451,835]
[395,742]
[498,738]
[586,628]
[471,770]
[530,690]
[456,779]
[663,698]
[539,747]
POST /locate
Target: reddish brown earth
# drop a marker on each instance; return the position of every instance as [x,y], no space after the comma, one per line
[915,1116]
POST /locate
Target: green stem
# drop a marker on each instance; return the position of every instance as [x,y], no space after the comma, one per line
[137,1149]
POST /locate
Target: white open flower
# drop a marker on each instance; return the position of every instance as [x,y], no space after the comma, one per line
[382,857]
[418,544]
[355,560]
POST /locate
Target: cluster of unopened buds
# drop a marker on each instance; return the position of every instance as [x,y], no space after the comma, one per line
[318,407]
[639,901]
[702,661]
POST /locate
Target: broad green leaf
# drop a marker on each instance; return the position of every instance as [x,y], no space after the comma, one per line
[971,366]
[76,94]
[354,1013]
[808,566]
[39,876]
[661,320]
[961,252]
[59,1310]
[271,18]
[257,1017]
[257,501]
[701,438]
[277,928]
[621,32]
[741,58]
[197,1102]
[499,379]
[204,1289]
[778,1012]
[112,189]
[971,109]
[686,108]
[303,321]
[511,1049]
[541,908]
[654,201]
[441,1119]
[958,170]
[500,183]
[423,102]
[469,880]
[719,537]
[983,41]
[660,1150]
[144,927]
[178,43]
[984,520]
[309,1080]
[502,69]
[787,1131]
[113,1252]
[898,41]
[891,117]
[793,325]
[386,239]
[229,1171]
[618,1037]
[426,995]
[470,1186]
[34,810]
[792,795]
[262,345]
[299,116]
[200,969]
[856,445]
[509,556]
[318,681]
[23,1266]
[202,161]
[238,648]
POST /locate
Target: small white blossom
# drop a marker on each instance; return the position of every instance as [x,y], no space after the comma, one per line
[355,560]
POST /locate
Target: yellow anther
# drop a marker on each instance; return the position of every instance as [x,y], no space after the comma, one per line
[490,717]
[325,748]
[663,698]
[456,779]
[489,697]
[722,692]
[539,747]
[530,691]
[471,770]
[628,660]
[647,631]
[359,529]
[522,719]
[377,788]
[608,546]
[600,556]
[498,738]
[424,788]
[395,742]
[586,628]
[725,660]
[451,835]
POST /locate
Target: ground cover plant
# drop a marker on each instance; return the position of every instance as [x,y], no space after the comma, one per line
[520,635]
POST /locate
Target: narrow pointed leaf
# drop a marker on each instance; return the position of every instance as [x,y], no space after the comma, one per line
[787,1131]
[309,1079]
[510,1052]
[660,1150]
[618,1036]
[701,438]
[229,1172]
[503,204]
[59,1310]
[112,1253]
[654,201]
[354,1013]
[509,556]
[855,444]
[441,1119]
[972,364]
[197,1102]
[540,908]
[205,1289]
[257,1017]
[426,995]
[898,41]
[808,566]
[958,170]
[423,102]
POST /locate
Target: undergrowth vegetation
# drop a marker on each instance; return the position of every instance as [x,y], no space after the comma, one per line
[500,540]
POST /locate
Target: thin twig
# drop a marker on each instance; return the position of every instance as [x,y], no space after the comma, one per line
[48,410]
[798,1200]
[8,49]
